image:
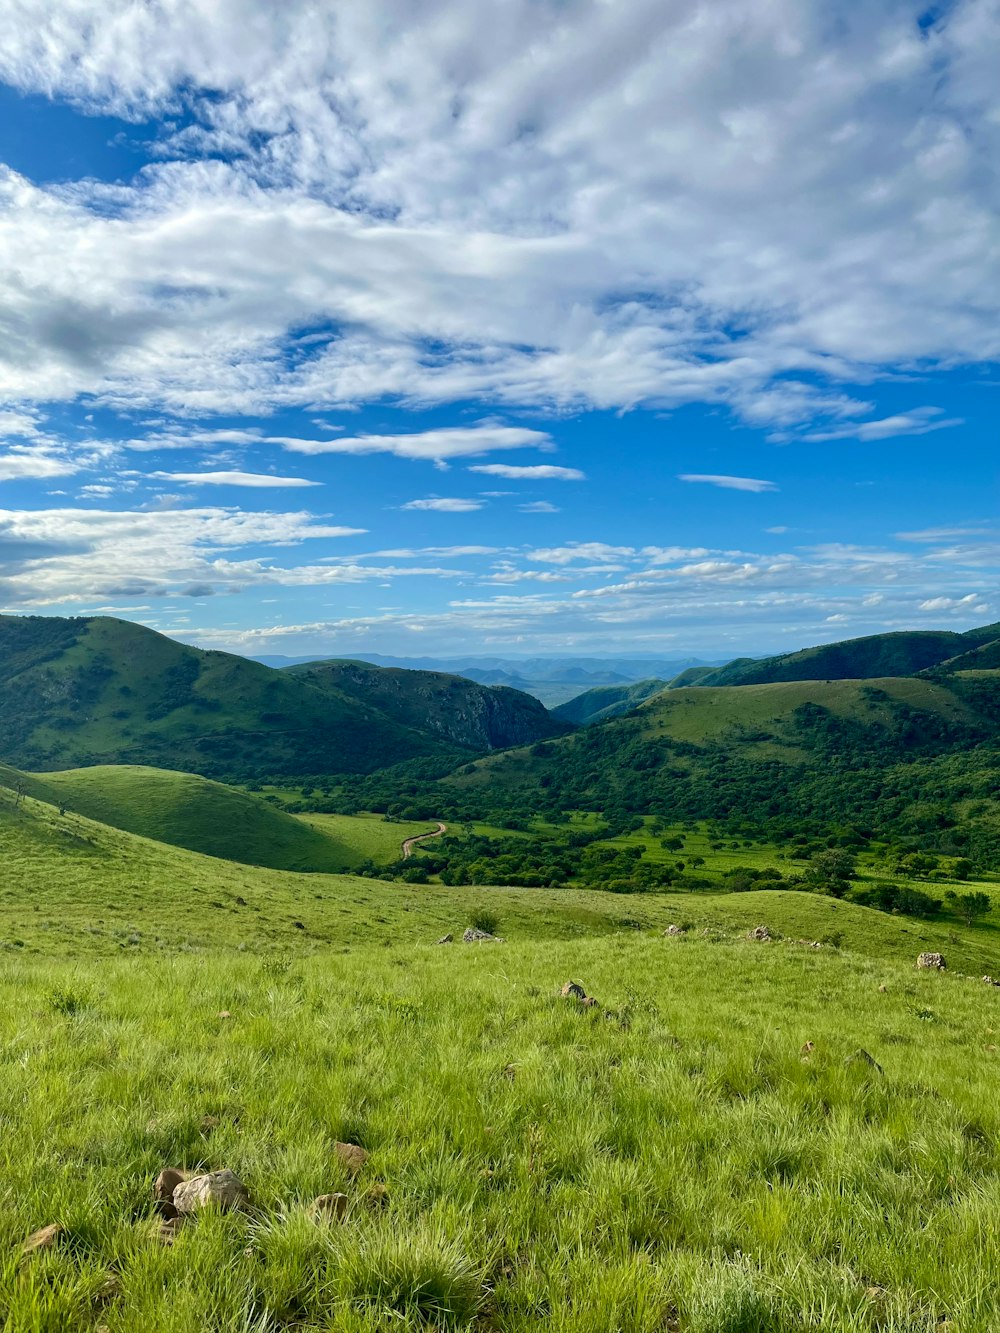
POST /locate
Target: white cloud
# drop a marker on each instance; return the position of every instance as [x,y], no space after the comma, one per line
[253,479]
[393,201]
[538,472]
[444,505]
[538,507]
[33,465]
[950,603]
[919,421]
[730,483]
[436,446]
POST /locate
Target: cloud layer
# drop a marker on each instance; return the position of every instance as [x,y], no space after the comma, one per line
[552,205]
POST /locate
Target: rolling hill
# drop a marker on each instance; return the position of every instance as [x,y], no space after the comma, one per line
[606,701]
[902,653]
[79,692]
[186,811]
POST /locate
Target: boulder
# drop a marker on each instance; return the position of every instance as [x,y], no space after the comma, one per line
[329,1207]
[473,936]
[351,1155]
[933,960]
[572,990]
[990,982]
[759,933]
[807,1049]
[216,1189]
[675,930]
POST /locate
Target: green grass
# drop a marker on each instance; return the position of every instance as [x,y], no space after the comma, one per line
[192,812]
[665,1161]
[366,837]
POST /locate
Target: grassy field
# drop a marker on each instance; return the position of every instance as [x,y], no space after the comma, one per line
[703,1151]
[665,1161]
[366,837]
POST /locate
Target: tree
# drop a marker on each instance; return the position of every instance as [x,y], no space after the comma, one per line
[970,906]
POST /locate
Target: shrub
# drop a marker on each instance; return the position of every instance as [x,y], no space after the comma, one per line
[485,920]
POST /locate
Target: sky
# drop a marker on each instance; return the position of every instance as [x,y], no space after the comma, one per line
[552,326]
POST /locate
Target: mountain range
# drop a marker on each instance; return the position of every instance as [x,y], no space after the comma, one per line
[84,691]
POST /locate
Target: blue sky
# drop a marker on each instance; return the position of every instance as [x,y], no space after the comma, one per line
[557,327]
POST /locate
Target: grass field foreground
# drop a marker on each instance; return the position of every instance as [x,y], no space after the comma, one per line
[676,1157]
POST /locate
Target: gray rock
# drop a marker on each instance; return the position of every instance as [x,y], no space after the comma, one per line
[473,936]
[446,939]
[990,982]
[759,933]
[934,960]
[216,1189]
[675,930]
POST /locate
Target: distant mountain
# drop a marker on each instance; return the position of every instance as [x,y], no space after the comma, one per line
[79,692]
[605,701]
[901,653]
[553,680]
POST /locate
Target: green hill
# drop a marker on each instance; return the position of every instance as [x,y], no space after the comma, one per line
[605,701]
[187,811]
[453,709]
[902,653]
[79,692]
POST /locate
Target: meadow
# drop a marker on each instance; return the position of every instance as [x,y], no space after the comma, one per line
[739,1137]
[704,1150]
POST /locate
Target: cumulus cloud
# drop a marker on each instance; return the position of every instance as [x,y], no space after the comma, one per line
[537,472]
[444,505]
[730,483]
[538,507]
[535,208]
[252,479]
[34,465]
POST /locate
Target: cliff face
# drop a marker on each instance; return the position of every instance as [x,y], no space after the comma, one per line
[476,717]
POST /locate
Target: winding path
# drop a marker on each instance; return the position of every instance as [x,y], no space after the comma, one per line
[410,843]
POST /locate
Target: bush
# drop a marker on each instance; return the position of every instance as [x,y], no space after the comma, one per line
[485,920]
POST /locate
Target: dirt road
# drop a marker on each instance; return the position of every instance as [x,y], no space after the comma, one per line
[410,843]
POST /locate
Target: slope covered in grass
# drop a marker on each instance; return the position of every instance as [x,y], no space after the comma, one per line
[703,1152]
[193,812]
[605,701]
[901,653]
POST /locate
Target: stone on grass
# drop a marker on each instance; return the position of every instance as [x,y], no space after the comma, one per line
[574,991]
[43,1239]
[675,930]
[474,936]
[329,1207]
[990,982]
[167,1229]
[807,1049]
[351,1155]
[216,1189]
[759,933]
[446,939]
[935,960]
[167,1181]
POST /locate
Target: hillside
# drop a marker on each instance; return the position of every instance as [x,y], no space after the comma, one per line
[455,710]
[187,811]
[912,760]
[74,693]
[606,701]
[902,653]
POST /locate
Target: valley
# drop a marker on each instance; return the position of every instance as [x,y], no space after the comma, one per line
[768,1119]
